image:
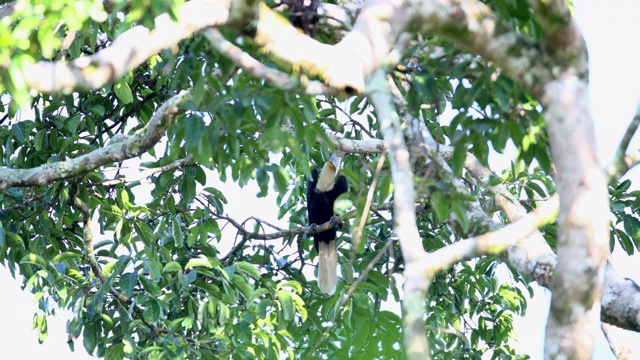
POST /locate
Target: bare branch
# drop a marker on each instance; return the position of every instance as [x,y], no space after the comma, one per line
[558,26]
[254,67]
[357,234]
[491,243]
[622,163]
[621,301]
[583,224]
[249,235]
[532,256]
[416,285]
[127,147]
[146,173]
[300,230]
[620,348]
[343,66]
[127,52]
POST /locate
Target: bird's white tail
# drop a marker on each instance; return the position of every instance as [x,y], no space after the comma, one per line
[327,279]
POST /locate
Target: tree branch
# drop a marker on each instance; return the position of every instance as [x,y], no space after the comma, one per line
[254,67]
[622,162]
[300,230]
[343,66]
[125,147]
[416,285]
[491,243]
[249,235]
[90,257]
[583,224]
[127,52]
[557,24]
[532,256]
[148,172]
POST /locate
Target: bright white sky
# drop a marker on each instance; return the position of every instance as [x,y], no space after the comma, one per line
[613,35]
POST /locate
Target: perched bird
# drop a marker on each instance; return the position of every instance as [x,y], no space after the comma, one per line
[322,191]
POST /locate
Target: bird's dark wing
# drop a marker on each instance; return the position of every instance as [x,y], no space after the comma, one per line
[341,186]
[311,185]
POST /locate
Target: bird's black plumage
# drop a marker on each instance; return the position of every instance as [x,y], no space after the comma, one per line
[320,206]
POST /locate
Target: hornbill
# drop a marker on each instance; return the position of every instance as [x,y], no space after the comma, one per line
[322,191]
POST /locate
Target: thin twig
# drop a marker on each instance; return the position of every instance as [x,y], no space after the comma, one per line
[621,163]
[147,173]
[90,257]
[357,235]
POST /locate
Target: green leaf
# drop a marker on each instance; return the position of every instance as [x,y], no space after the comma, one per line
[299,304]
[154,268]
[114,352]
[209,288]
[67,255]
[145,232]
[380,279]
[176,232]
[188,190]
[172,267]
[151,311]
[624,186]
[90,337]
[625,241]
[458,159]
[224,313]
[537,188]
[21,130]
[34,259]
[40,323]
[247,268]
[204,262]
[123,91]
[281,179]
[286,304]
[241,284]
[292,284]
[341,206]
[128,282]
[632,228]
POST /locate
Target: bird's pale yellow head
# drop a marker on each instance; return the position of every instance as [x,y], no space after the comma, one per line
[327,178]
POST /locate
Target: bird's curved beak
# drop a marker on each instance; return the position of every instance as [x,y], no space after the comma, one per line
[335,160]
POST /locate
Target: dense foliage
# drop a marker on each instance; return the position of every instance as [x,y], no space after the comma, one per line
[181,279]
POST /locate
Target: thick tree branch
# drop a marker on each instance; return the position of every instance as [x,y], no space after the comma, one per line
[344,66]
[471,25]
[558,26]
[127,52]
[126,147]
[583,224]
[621,301]
[491,243]
[254,67]
[416,285]
[532,256]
